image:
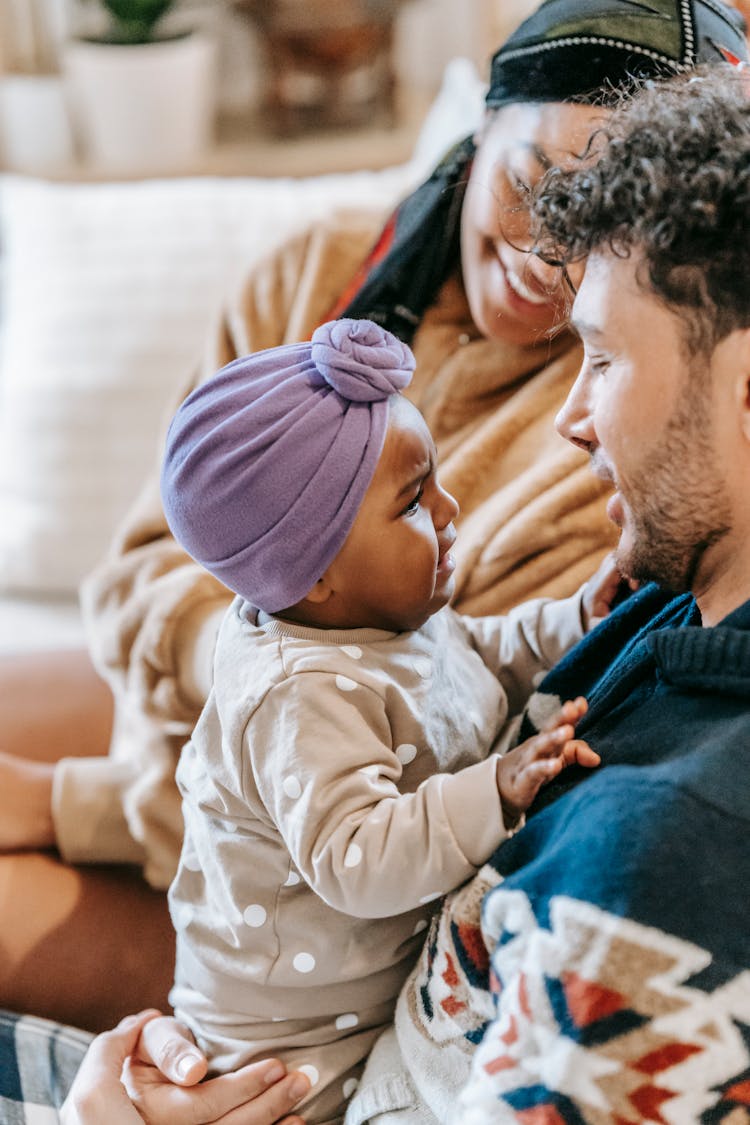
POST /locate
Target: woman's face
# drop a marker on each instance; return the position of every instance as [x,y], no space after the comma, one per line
[513,296]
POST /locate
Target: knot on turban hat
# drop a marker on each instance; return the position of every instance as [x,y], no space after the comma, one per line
[267,462]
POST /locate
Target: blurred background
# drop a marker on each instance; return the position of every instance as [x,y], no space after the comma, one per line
[243,86]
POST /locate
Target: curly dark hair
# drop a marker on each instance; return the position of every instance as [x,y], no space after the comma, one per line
[668,176]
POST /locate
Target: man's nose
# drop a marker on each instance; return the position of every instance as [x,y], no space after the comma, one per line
[574,420]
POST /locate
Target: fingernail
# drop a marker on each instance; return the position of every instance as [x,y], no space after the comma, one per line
[299,1087]
[274,1073]
[185,1064]
[128,1021]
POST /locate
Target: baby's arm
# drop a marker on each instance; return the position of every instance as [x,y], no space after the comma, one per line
[524,770]
[369,822]
[519,647]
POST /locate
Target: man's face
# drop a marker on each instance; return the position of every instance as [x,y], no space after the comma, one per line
[657,423]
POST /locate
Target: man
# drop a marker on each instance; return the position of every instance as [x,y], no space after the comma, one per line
[620,976]
[610,979]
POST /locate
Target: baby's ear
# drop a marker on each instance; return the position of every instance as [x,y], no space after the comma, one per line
[320,592]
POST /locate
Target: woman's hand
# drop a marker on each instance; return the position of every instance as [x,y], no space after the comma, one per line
[97,1094]
[25,804]
[160,1073]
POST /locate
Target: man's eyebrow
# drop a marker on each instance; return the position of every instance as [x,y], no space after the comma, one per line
[585,329]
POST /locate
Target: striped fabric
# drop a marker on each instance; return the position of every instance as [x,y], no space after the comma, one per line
[38,1061]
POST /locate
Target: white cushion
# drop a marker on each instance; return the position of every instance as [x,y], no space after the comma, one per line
[109,292]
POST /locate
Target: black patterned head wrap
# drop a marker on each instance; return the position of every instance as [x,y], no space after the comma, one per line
[568,50]
[585,50]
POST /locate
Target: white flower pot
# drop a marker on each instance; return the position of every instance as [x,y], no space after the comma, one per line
[143,108]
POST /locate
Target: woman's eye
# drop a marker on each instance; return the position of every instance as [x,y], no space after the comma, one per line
[518,185]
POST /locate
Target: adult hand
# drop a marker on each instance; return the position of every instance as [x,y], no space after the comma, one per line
[25,804]
[162,1079]
[148,1068]
[97,1094]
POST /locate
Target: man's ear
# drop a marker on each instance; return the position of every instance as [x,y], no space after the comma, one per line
[744,377]
[320,592]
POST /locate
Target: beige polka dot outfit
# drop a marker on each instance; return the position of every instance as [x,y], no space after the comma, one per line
[337,785]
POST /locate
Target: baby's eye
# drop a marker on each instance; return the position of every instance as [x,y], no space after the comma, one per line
[413,505]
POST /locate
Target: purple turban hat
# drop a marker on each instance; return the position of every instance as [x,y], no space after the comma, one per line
[267,462]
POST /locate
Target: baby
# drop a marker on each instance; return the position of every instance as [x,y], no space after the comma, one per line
[345,773]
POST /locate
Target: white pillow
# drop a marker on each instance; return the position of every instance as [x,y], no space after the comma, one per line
[109,292]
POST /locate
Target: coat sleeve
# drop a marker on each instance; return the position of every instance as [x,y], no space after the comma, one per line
[152,614]
[331,787]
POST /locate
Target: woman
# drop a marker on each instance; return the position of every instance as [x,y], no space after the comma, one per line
[451,273]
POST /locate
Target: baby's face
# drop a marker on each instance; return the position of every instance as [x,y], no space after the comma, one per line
[395,569]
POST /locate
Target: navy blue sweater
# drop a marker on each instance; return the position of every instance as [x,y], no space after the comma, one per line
[618,929]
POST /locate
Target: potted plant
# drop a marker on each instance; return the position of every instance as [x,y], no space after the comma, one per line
[141,86]
[134,21]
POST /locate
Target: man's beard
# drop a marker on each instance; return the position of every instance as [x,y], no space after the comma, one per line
[676,502]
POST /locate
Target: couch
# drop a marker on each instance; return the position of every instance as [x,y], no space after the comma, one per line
[109,290]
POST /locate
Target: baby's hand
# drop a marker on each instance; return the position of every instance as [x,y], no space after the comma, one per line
[524,770]
[602,591]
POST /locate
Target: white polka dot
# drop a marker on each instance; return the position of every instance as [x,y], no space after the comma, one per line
[420,926]
[255,915]
[311,1072]
[353,651]
[292,787]
[191,861]
[183,915]
[370,771]
[430,898]
[346,1021]
[406,753]
[230,826]
[350,1087]
[304,962]
[464,338]
[343,683]
[423,667]
[537,679]
[292,879]
[353,856]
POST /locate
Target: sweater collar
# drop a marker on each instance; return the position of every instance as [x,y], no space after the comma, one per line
[715,659]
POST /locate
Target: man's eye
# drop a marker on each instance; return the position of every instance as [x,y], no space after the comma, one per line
[413,505]
[598,364]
